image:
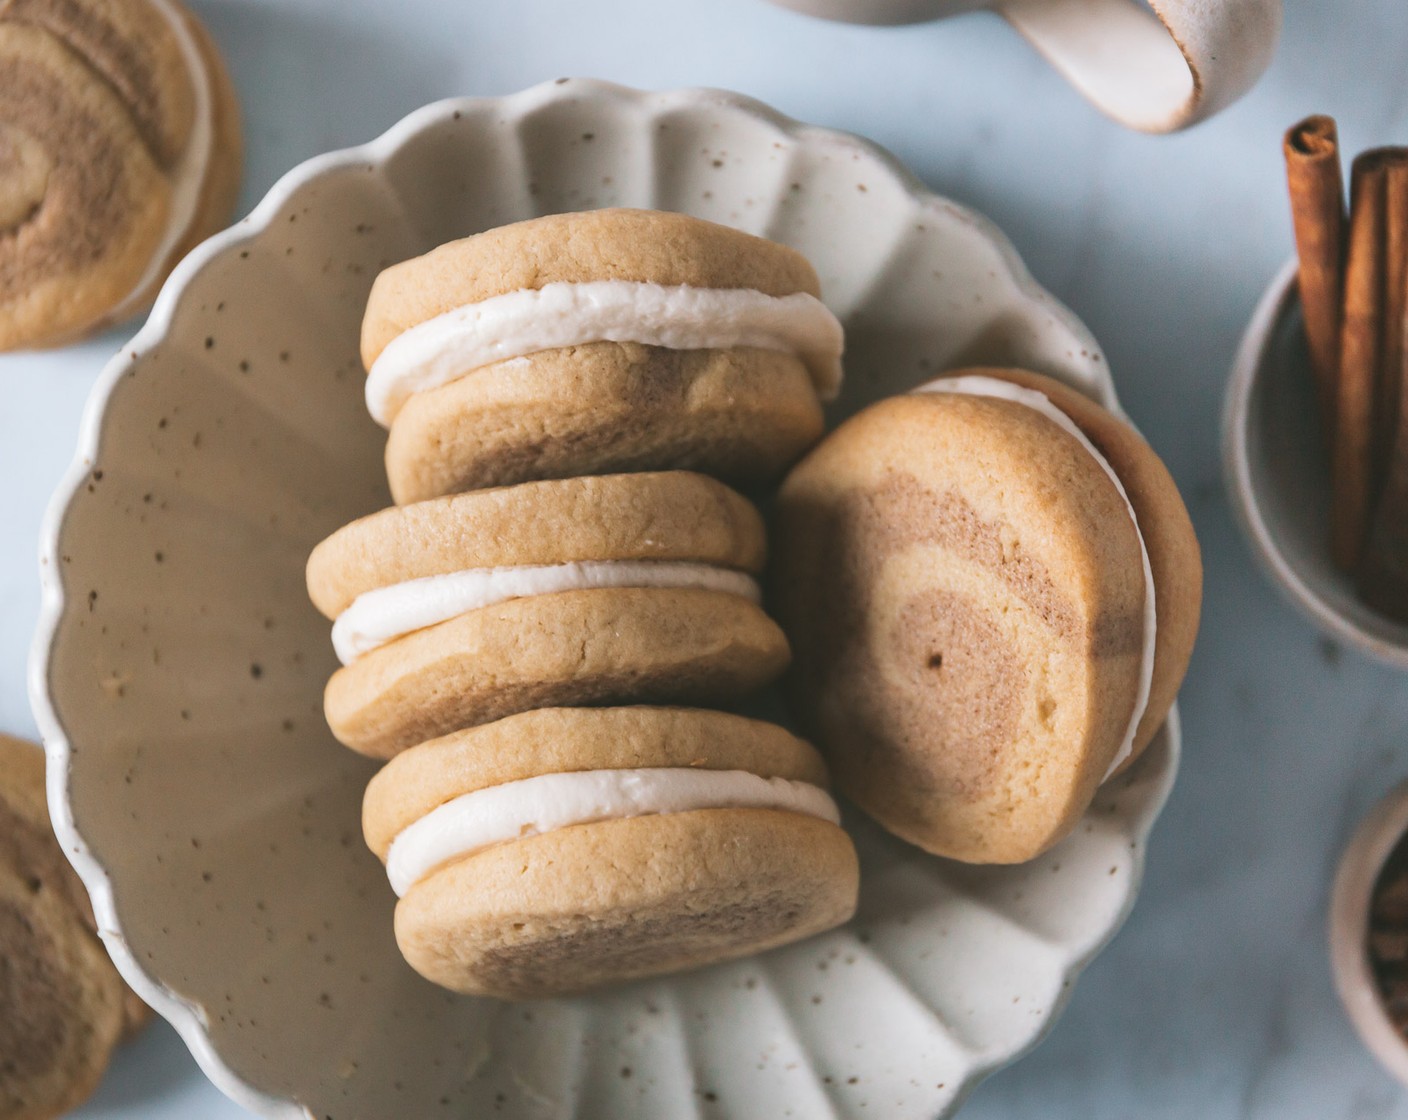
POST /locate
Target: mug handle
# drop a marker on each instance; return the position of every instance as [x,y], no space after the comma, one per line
[1155,71]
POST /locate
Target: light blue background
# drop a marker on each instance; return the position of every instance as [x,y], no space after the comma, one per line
[1215,1002]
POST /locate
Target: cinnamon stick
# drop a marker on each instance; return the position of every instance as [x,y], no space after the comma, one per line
[1386,401]
[1316,185]
[1360,354]
[1383,575]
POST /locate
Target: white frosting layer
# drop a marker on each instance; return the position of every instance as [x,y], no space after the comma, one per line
[189,174]
[541,804]
[386,613]
[977,386]
[516,324]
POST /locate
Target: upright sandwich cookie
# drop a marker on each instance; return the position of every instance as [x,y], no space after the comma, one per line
[585,343]
[1012,587]
[560,849]
[615,588]
[119,151]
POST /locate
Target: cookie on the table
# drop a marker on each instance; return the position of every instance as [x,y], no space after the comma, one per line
[593,342]
[463,609]
[63,1006]
[1003,627]
[119,151]
[560,849]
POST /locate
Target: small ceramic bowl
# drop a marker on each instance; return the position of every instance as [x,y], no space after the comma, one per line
[1363,859]
[1276,466]
[179,666]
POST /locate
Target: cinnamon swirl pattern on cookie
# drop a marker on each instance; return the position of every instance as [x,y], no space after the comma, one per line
[1011,588]
[119,151]
[63,1007]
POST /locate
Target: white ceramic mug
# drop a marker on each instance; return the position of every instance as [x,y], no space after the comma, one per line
[1157,68]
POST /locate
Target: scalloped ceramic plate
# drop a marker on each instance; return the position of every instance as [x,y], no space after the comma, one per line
[178,668]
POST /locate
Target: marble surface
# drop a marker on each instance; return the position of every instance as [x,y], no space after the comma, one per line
[1215,1000]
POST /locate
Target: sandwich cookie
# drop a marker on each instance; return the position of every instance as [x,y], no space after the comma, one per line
[464,609]
[561,849]
[609,340]
[1013,589]
[119,151]
[63,1006]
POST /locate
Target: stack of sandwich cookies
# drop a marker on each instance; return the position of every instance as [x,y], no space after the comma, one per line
[611,340]
[560,849]
[1013,588]
[119,151]
[541,839]
[609,589]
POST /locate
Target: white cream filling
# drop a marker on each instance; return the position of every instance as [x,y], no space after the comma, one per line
[532,806]
[978,386]
[516,324]
[386,613]
[188,176]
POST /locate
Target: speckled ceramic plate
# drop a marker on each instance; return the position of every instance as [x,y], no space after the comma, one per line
[179,667]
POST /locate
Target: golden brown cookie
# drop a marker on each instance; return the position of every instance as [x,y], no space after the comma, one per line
[63,1006]
[983,655]
[629,890]
[561,740]
[741,414]
[739,411]
[572,648]
[664,516]
[61,1001]
[119,150]
[654,246]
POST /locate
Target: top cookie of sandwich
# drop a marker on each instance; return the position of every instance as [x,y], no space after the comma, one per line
[645,246]
[666,515]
